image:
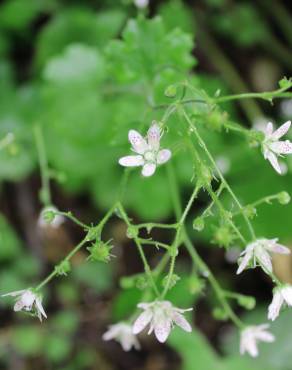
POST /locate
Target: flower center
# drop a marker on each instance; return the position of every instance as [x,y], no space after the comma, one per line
[150,156]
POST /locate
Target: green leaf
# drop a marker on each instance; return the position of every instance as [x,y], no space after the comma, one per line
[79,63]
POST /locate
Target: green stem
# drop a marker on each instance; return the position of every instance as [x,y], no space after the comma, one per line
[222,178]
[54,272]
[140,250]
[44,169]
[70,216]
[195,256]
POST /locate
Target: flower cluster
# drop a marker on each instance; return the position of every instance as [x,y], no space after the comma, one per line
[148,151]
[159,315]
[259,253]
[28,300]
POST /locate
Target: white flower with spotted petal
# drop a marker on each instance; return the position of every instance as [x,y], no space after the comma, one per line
[251,335]
[27,300]
[148,151]
[122,333]
[161,317]
[258,253]
[282,295]
[272,147]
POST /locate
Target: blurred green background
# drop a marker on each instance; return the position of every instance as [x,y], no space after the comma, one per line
[87,72]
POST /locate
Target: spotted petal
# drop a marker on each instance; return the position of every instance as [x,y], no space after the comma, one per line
[153,136]
[131,161]
[163,156]
[148,169]
[162,329]
[272,158]
[181,322]
[244,262]
[142,321]
[264,259]
[287,294]
[281,131]
[281,147]
[138,142]
[269,129]
[275,306]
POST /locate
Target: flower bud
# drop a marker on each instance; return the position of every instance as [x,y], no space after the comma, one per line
[199,223]
[63,268]
[127,282]
[223,236]
[284,198]
[173,280]
[100,251]
[196,285]
[132,232]
[170,91]
[250,211]
[219,314]
[247,302]
[141,283]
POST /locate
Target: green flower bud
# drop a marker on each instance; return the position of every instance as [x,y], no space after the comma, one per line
[173,280]
[199,223]
[223,236]
[170,91]
[63,268]
[285,83]
[100,251]
[250,211]
[127,282]
[247,302]
[132,232]
[256,136]
[141,283]
[196,285]
[219,314]
[284,198]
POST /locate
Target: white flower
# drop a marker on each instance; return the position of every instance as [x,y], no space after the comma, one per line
[281,295]
[272,147]
[259,252]
[251,335]
[161,316]
[46,220]
[141,4]
[27,300]
[123,334]
[148,153]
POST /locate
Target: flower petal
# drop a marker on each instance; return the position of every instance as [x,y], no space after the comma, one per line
[278,248]
[131,161]
[269,129]
[275,306]
[142,321]
[264,259]
[281,147]
[148,169]
[274,161]
[162,329]
[153,136]
[244,261]
[163,156]
[281,131]
[138,142]
[181,322]
[18,306]
[40,308]
[287,294]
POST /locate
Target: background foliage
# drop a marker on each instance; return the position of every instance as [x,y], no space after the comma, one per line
[87,72]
